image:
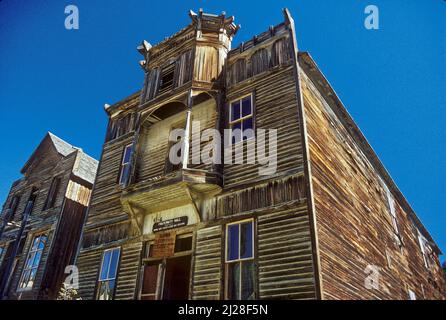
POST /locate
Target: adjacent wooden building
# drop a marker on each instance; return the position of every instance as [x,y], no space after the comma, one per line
[327,223]
[42,219]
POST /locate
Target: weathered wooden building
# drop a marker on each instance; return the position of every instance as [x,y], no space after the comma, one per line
[327,223]
[42,219]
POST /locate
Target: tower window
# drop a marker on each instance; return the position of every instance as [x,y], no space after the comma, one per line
[167,75]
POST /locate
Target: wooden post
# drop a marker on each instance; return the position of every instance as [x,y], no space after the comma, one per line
[186,138]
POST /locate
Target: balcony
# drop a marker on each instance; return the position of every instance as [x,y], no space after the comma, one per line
[170,190]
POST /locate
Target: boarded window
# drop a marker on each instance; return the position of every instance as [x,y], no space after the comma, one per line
[237,72]
[52,193]
[259,62]
[167,77]
[121,126]
[183,69]
[32,263]
[280,54]
[240,268]
[151,86]
[241,119]
[124,173]
[107,275]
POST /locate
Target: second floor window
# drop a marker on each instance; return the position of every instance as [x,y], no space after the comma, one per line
[52,193]
[240,261]
[107,275]
[32,263]
[241,117]
[124,173]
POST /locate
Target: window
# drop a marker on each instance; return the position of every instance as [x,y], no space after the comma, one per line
[391,208]
[125,165]
[107,277]
[412,295]
[52,193]
[240,261]
[32,262]
[241,117]
[167,74]
[424,249]
[120,127]
[183,243]
[30,204]
[13,206]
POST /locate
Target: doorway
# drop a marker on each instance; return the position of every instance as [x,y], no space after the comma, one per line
[167,278]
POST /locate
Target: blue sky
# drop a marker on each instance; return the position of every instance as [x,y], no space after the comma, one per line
[392,80]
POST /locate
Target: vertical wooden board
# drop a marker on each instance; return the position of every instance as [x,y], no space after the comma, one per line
[207,269]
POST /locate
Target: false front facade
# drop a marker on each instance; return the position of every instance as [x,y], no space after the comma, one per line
[217,181]
[42,219]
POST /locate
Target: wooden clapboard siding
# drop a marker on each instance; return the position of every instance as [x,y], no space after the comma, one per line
[285,258]
[128,271]
[353,218]
[207,269]
[88,264]
[274,98]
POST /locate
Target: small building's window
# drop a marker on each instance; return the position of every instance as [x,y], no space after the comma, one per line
[241,118]
[32,262]
[239,264]
[107,276]
[167,76]
[52,193]
[412,295]
[124,173]
[13,206]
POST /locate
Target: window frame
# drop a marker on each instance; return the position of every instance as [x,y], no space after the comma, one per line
[422,243]
[32,253]
[10,207]
[239,260]
[242,118]
[99,280]
[123,164]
